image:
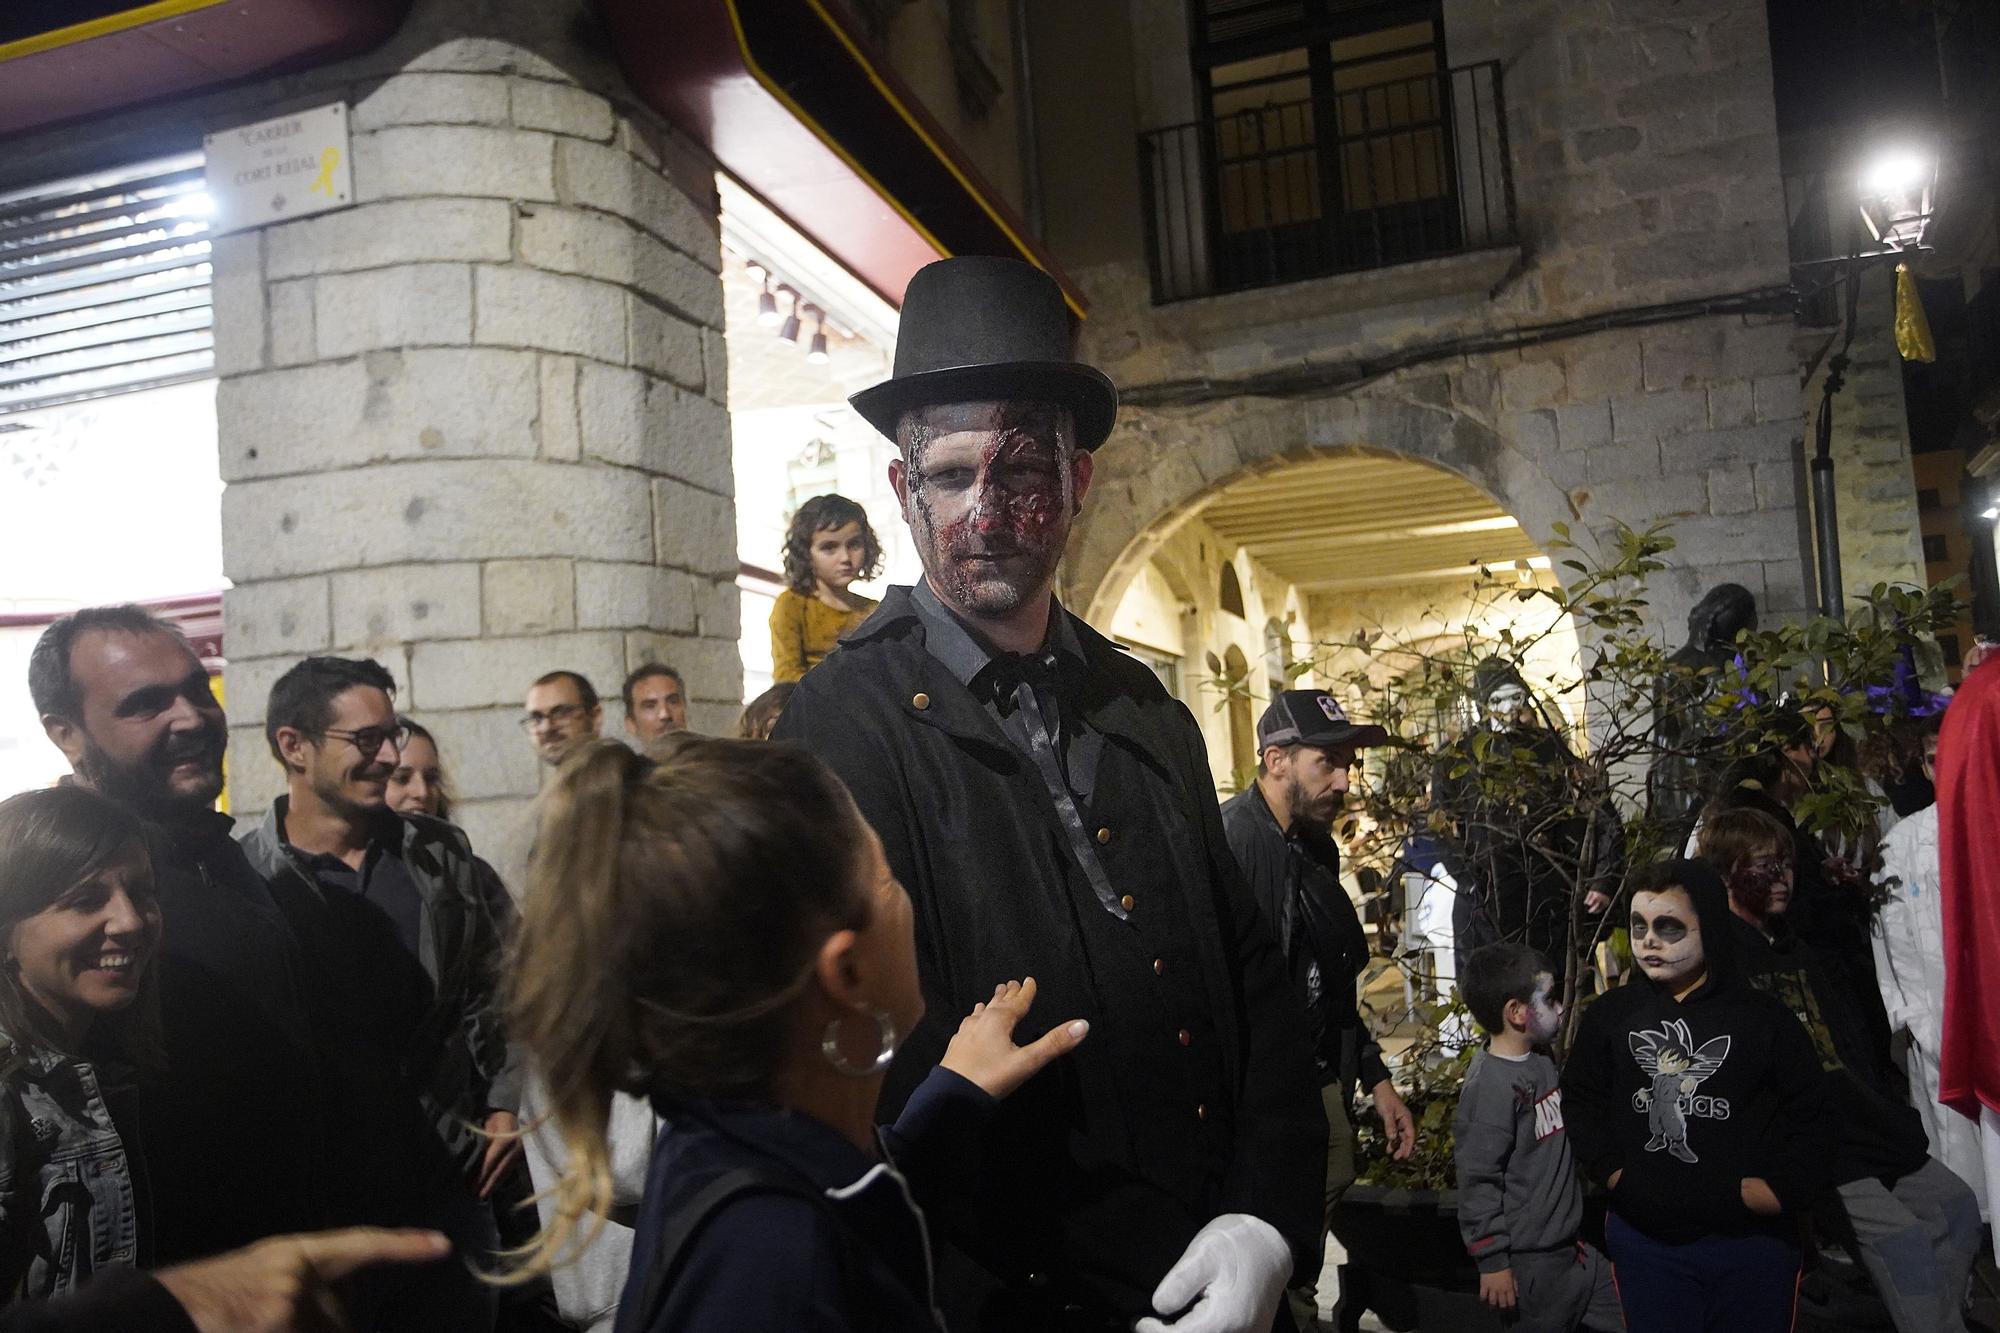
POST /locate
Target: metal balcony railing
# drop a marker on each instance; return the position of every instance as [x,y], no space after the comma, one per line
[1375,175]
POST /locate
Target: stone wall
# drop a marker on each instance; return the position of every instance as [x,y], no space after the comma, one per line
[1880,537]
[474,427]
[1644,149]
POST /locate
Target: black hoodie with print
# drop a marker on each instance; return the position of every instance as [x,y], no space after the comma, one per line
[1690,1097]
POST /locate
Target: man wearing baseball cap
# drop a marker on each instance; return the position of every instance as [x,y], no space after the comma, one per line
[1281,829]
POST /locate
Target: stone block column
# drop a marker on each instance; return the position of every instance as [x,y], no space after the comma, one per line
[475,427]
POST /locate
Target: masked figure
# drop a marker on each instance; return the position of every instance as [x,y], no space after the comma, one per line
[1525,845]
[1683,770]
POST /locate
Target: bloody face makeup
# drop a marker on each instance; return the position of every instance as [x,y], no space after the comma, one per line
[1762,886]
[989,490]
[1666,937]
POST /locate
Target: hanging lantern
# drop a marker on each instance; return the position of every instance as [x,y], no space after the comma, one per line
[1896,196]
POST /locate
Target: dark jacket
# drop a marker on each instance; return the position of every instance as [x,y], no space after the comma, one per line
[776,1262]
[1515,850]
[1878,1133]
[1690,1097]
[122,1299]
[1834,916]
[236,1124]
[1294,878]
[1098,1172]
[457,1062]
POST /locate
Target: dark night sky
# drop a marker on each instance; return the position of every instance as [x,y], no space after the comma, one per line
[1839,60]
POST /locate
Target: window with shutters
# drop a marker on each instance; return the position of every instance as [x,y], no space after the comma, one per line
[110,486]
[104,285]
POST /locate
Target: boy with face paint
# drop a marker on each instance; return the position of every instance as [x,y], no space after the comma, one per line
[1519,1203]
[1697,1099]
[1915,1223]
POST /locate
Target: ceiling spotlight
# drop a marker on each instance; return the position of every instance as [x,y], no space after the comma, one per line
[790,332]
[818,354]
[767,308]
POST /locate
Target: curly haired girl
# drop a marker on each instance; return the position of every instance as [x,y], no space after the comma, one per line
[828,546]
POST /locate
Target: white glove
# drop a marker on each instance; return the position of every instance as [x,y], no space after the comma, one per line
[1237,1265]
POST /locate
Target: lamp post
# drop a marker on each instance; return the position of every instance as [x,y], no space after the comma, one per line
[1894,189]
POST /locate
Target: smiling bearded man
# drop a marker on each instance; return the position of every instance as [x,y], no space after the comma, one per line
[1049,807]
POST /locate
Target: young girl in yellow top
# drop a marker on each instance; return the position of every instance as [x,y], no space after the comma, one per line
[828,546]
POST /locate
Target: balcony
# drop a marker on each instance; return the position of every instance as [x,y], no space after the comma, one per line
[1369,177]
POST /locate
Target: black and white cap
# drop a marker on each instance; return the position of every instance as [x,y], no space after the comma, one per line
[1313,717]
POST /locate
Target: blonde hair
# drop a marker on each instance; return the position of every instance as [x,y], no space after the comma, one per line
[672,916]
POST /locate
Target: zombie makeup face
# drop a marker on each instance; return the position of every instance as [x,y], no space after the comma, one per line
[1762,886]
[989,491]
[1666,937]
[1545,1011]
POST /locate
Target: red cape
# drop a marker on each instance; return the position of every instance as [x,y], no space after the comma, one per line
[1968,788]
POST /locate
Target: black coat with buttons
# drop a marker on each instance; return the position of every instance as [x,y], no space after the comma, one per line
[1195,1094]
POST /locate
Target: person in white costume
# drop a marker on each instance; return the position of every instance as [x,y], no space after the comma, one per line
[1909,966]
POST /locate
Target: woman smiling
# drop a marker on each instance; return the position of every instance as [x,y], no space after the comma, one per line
[79,927]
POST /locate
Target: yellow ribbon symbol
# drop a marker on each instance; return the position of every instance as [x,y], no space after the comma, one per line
[328,160]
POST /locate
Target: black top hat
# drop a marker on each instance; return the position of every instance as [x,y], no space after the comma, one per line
[977,328]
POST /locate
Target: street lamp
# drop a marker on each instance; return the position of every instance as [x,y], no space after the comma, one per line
[1896,186]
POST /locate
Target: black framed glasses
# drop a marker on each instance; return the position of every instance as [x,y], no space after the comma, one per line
[370,740]
[560,713]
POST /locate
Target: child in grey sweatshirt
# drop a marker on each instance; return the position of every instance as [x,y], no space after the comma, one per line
[1519,1204]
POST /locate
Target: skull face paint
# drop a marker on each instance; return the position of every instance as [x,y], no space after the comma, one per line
[1545,1011]
[989,490]
[1666,937]
[1504,706]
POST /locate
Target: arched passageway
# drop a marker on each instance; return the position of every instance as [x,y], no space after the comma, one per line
[1284,564]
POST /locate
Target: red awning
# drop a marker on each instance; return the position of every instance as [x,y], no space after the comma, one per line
[805,113]
[104,56]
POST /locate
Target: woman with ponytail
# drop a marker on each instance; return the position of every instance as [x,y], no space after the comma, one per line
[721,935]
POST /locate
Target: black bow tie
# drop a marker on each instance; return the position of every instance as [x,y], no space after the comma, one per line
[1008,670]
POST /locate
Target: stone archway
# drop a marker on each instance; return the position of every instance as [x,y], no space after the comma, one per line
[1157,470]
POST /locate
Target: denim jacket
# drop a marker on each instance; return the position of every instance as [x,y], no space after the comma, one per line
[68,1204]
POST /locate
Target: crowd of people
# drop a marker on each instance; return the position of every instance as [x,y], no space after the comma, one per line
[963,1005]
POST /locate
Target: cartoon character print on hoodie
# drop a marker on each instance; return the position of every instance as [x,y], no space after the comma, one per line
[1684,1099]
[1669,1056]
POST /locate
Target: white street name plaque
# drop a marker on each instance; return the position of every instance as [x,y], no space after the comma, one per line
[290,167]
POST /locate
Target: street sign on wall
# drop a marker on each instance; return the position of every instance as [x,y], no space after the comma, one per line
[287,167]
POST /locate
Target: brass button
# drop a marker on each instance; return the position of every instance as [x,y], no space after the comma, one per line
[1104,835]
[1201,1111]
[1187,1038]
[1128,902]
[920,701]
[1159,967]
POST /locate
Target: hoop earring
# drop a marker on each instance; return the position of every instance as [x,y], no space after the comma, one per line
[886,1035]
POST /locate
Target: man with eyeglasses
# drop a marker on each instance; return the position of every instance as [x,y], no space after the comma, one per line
[563,712]
[403,925]
[235,1119]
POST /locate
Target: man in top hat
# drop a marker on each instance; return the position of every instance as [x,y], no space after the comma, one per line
[1281,829]
[1049,808]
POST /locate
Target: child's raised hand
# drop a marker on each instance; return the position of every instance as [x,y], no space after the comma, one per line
[1497,1289]
[983,1051]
